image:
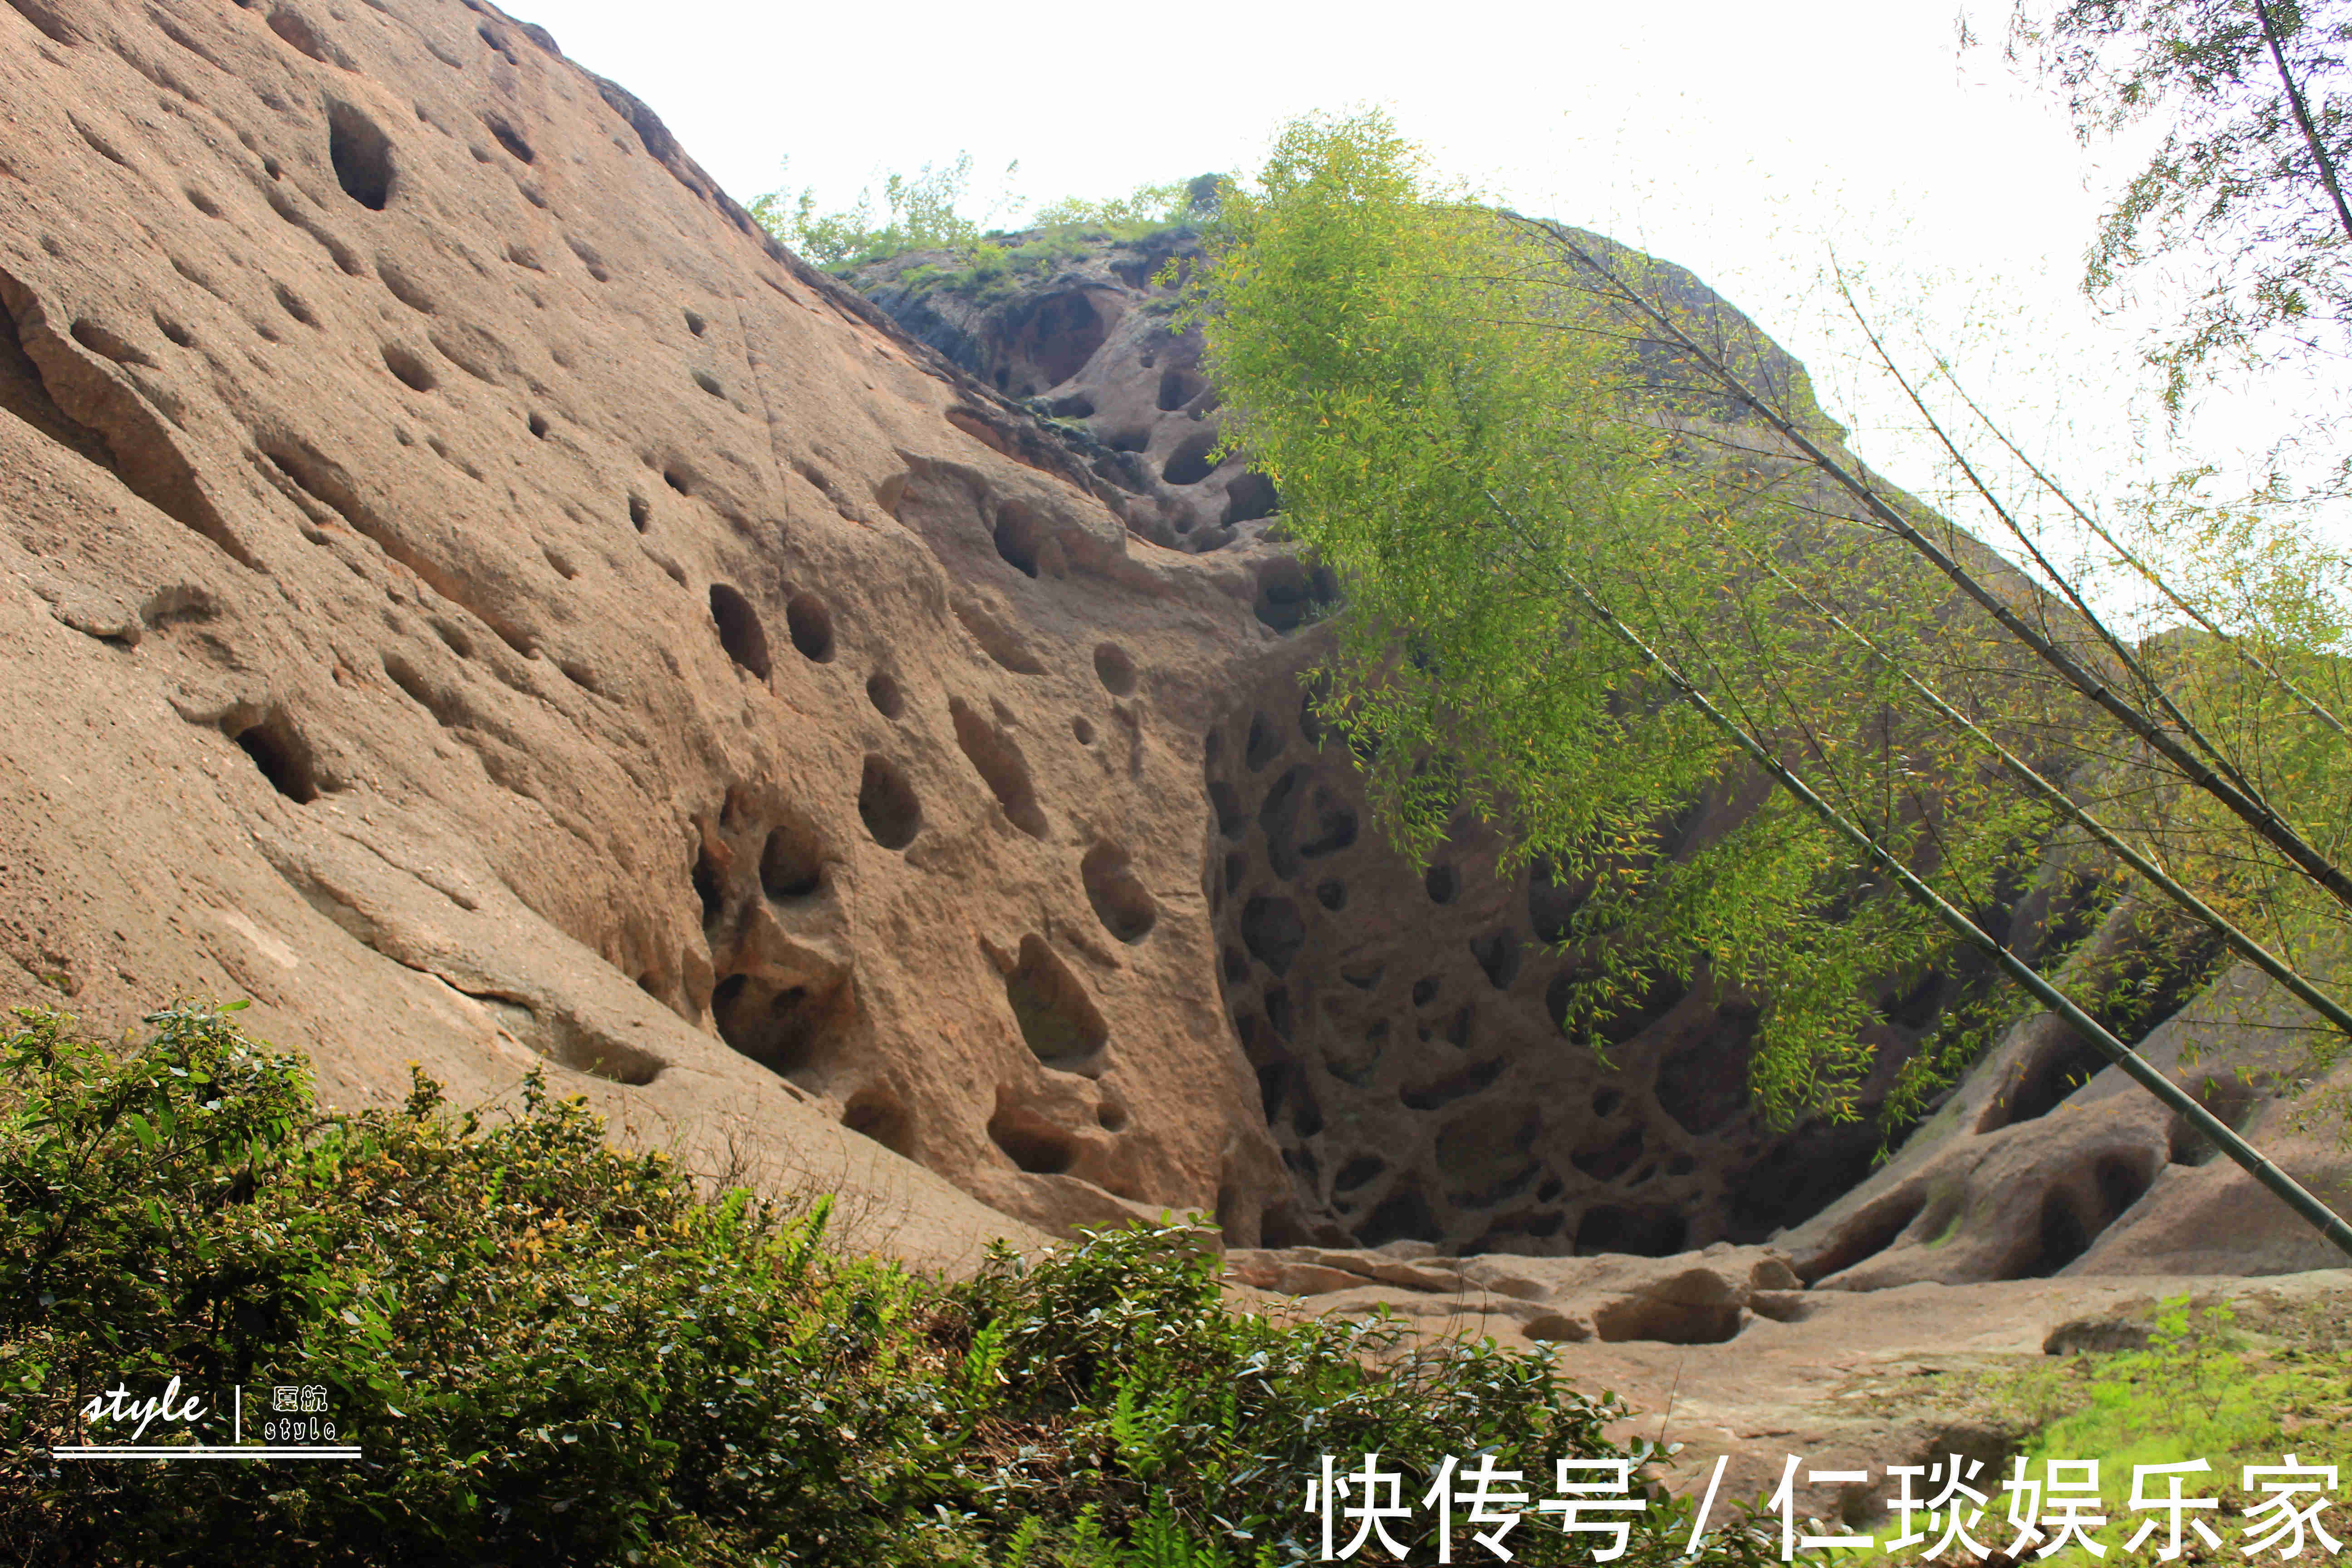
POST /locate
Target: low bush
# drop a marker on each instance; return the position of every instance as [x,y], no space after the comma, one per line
[546,1350]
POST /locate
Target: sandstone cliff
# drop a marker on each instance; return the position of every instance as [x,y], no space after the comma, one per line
[470,591]
[1402,1019]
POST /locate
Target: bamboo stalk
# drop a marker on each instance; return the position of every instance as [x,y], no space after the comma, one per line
[2307,1205]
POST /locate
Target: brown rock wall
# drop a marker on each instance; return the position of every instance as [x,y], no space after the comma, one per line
[467,589]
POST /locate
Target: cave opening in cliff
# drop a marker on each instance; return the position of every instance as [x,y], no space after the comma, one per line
[740,631]
[278,750]
[1057,1019]
[362,156]
[778,1025]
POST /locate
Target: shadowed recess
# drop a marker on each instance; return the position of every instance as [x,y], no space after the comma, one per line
[362,156]
[1000,766]
[1120,901]
[740,631]
[888,803]
[1057,1018]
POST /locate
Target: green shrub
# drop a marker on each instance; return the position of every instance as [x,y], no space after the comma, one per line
[551,1351]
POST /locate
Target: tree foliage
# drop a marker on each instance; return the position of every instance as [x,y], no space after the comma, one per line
[549,1351]
[917,211]
[927,211]
[1528,453]
[2247,189]
[1461,427]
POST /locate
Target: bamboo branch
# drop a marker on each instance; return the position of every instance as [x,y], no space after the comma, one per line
[2303,118]
[2136,1068]
[2281,834]
[2319,710]
[2244,946]
[2115,645]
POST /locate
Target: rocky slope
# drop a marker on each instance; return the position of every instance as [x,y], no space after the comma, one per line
[468,590]
[1402,1019]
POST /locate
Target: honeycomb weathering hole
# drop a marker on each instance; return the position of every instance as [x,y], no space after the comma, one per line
[1250,497]
[1058,334]
[1121,900]
[2064,1062]
[791,863]
[510,138]
[1058,1020]
[1001,766]
[362,155]
[883,692]
[1193,459]
[1177,388]
[1266,742]
[1288,592]
[409,369]
[1114,669]
[888,803]
[2231,1100]
[1030,1142]
[1272,930]
[1226,801]
[1499,953]
[811,624]
[740,631]
[877,1114]
[776,1026]
[1552,907]
[98,340]
[292,25]
[278,750]
[43,17]
[1017,538]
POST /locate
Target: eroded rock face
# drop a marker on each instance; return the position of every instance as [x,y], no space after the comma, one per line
[1404,1023]
[1085,329]
[1402,1020]
[468,590]
[2047,1160]
[1718,1352]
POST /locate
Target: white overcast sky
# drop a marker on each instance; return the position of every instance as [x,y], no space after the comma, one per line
[1741,139]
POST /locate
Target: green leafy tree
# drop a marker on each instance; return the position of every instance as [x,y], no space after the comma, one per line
[1460,435]
[2248,188]
[1146,206]
[916,212]
[925,211]
[1610,579]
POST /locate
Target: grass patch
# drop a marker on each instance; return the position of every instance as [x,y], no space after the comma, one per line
[2208,1386]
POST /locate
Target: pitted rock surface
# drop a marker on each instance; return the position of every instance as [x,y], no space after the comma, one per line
[1402,1020]
[2048,1160]
[468,590]
[1088,336]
